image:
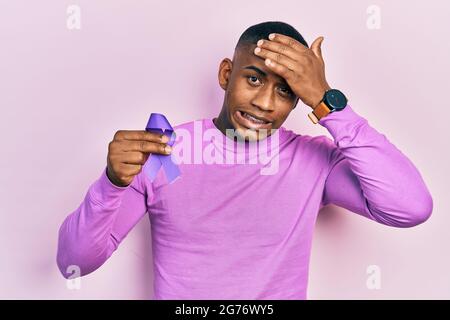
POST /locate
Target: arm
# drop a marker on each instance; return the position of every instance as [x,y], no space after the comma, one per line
[90,234]
[370,176]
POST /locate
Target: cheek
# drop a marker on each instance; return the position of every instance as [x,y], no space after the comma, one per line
[282,116]
[240,95]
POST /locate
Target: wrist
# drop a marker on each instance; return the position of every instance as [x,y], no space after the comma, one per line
[113,180]
[333,100]
[319,96]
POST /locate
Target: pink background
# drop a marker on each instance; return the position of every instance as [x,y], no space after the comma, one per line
[63,94]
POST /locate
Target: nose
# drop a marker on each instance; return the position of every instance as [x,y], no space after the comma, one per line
[264,98]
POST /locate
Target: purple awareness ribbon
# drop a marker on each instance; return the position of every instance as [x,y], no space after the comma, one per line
[158,123]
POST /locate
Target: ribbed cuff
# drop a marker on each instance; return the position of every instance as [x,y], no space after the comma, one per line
[105,192]
[342,123]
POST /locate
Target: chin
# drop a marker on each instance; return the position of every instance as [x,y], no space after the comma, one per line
[247,134]
[249,131]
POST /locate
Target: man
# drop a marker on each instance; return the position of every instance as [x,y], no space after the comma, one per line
[225,230]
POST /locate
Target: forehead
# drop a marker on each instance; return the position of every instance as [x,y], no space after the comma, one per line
[246,60]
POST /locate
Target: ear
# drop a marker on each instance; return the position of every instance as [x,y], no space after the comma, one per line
[225,68]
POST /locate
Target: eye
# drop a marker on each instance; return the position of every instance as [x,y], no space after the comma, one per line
[252,79]
[286,91]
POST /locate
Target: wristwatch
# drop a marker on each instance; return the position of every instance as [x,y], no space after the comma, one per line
[333,100]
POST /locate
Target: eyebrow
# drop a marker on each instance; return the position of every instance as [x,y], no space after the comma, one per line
[256,69]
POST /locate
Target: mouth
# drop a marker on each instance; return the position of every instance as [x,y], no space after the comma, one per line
[252,121]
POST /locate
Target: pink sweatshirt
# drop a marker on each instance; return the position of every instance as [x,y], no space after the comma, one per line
[226,231]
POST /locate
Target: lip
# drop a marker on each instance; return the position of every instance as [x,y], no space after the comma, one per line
[238,115]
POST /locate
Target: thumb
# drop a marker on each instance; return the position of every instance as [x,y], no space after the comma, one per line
[316,47]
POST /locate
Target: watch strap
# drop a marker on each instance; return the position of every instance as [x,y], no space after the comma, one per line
[319,112]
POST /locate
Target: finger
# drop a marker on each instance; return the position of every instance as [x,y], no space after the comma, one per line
[128,170]
[280,69]
[140,135]
[146,146]
[278,48]
[277,57]
[288,41]
[134,157]
[316,47]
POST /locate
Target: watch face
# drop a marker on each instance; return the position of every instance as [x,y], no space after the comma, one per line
[335,100]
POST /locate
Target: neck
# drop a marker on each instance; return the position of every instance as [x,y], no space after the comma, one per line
[222,123]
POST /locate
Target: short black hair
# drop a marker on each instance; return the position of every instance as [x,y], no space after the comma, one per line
[262,30]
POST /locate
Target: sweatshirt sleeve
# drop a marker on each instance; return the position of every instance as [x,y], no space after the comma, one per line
[89,235]
[370,176]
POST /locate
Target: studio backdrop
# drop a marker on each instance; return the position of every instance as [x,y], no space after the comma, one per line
[72,73]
